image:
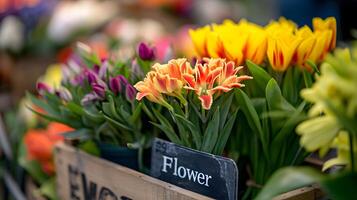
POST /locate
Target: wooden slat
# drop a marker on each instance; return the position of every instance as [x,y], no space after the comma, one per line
[77,172]
[306,193]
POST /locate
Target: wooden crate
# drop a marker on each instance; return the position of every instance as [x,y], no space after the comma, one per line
[82,176]
[306,193]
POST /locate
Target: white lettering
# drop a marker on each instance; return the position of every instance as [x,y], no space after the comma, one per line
[166,163]
[183,172]
[181,169]
[191,174]
[175,169]
[201,177]
[207,178]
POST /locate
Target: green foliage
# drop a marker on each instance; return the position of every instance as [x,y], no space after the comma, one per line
[203,130]
[340,187]
[270,110]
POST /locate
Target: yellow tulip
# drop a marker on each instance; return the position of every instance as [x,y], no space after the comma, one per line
[281,48]
[256,46]
[53,76]
[321,47]
[327,24]
[304,49]
[199,39]
[233,45]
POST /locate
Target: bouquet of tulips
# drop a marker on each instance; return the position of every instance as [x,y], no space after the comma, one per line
[199,112]
[96,98]
[283,59]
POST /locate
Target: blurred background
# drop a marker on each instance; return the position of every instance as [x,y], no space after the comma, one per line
[37,33]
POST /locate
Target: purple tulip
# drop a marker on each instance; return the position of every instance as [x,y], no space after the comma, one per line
[136,69]
[103,70]
[145,52]
[115,85]
[77,80]
[96,69]
[123,80]
[64,94]
[91,77]
[89,98]
[130,92]
[43,88]
[99,90]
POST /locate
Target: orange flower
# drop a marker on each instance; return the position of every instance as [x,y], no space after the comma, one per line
[215,76]
[164,79]
[40,143]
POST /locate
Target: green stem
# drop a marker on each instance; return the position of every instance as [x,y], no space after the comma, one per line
[140,158]
[186,111]
[203,114]
[352,152]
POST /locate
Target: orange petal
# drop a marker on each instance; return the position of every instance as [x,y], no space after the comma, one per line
[206,101]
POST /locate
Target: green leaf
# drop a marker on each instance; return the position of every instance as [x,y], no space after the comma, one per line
[184,136]
[288,87]
[252,117]
[166,127]
[117,123]
[169,133]
[307,78]
[79,134]
[42,104]
[195,131]
[260,76]
[340,187]
[287,179]
[75,108]
[224,135]
[48,189]
[225,107]
[211,134]
[90,147]
[136,114]
[275,99]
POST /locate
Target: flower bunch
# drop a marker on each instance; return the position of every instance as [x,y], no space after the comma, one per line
[281,42]
[213,76]
[188,93]
[334,111]
[96,97]
[40,142]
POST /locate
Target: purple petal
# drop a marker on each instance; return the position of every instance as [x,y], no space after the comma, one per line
[64,94]
[89,98]
[130,92]
[99,90]
[145,52]
[91,77]
[115,85]
[123,80]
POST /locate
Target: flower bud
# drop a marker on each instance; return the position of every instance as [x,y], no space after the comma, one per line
[145,52]
[115,85]
[98,90]
[130,92]
[64,94]
[91,77]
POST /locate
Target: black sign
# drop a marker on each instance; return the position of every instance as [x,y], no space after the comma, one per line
[207,174]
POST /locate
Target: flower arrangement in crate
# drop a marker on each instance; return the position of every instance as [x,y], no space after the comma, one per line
[96,98]
[331,124]
[283,59]
[197,101]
